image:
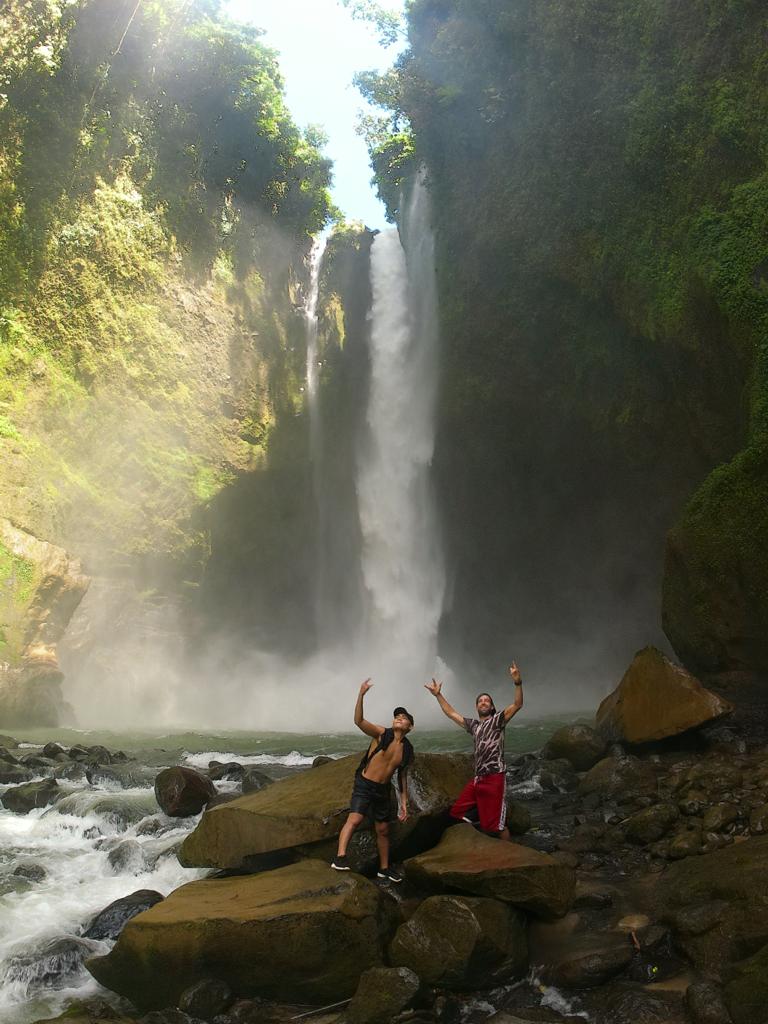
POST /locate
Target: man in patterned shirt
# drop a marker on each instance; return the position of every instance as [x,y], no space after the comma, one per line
[487,790]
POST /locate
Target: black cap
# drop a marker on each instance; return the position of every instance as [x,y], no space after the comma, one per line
[402,711]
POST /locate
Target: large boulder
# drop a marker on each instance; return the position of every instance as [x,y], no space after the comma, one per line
[307,810]
[24,798]
[110,921]
[580,745]
[470,862]
[717,903]
[383,992]
[619,777]
[746,990]
[182,792]
[89,1011]
[656,699]
[302,933]
[459,941]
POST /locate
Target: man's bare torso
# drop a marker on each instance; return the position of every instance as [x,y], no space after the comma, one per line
[383,765]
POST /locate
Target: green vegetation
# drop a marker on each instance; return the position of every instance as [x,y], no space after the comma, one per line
[599,178]
[156,201]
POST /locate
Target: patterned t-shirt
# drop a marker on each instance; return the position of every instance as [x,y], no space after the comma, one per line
[488,734]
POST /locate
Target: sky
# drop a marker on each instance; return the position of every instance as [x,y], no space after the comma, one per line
[321,47]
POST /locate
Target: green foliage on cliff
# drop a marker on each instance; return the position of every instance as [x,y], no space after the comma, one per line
[600,184]
[156,200]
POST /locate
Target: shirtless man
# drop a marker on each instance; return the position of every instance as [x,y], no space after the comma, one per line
[487,790]
[390,751]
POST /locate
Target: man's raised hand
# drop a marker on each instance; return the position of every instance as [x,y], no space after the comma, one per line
[365,687]
[433,687]
[514,671]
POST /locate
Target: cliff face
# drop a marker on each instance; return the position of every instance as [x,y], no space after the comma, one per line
[599,181]
[156,207]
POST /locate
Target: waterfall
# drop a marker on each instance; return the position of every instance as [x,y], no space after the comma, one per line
[401,559]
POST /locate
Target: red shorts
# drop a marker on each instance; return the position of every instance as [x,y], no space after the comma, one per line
[488,794]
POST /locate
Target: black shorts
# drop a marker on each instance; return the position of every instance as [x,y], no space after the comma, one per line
[373,799]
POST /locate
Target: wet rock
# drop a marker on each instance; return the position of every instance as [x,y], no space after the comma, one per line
[77,753]
[476,864]
[321,759]
[556,776]
[720,817]
[170,1015]
[30,870]
[182,792]
[12,775]
[656,699]
[590,897]
[50,964]
[53,750]
[218,770]
[580,745]
[625,777]
[518,818]
[24,798]
[253,780]
[7,757]
[705,1003]
[758,819]
[382,993]
[650,825]
[109,922]
[36,761]
[300,933]
[694,802]
[73,771]
[735,877]
[457,942]
[625,1005]
[206,999]
[587,968]
[746,989]
[89,1011]
[685,844]
[308,809]
[221,798]
[699,918]
[127,858]
[99,754]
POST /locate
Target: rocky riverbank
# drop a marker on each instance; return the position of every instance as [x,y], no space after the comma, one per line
[634,889]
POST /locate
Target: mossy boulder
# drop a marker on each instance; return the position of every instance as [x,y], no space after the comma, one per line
[656,699]
[301,933]
[26,797]
[717,903]
[458,942]
[715,603]
[467,861]
[382,994]
[580,745]
[746,989]
[182,792]
[306,811]
[650,824]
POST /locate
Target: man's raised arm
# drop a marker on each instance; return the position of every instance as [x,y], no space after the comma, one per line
[367,727]
[434,688]
[511,709]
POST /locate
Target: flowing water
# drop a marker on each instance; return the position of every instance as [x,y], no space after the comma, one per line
[402,559]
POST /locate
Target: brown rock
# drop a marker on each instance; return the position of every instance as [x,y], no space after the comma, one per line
[301,933]
[580,745]
[181,792]
[656,699]
[459,941]
[474,863]
[307,811]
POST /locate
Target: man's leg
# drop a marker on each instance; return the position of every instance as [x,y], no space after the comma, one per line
[347,831]
[492,805]
[382,841]
[465,801]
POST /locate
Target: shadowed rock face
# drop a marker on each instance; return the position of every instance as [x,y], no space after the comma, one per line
[467,861]
[302,933]
[656,699]
[310,808]
[458,941]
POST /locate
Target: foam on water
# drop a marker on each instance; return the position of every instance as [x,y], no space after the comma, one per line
[292,760]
